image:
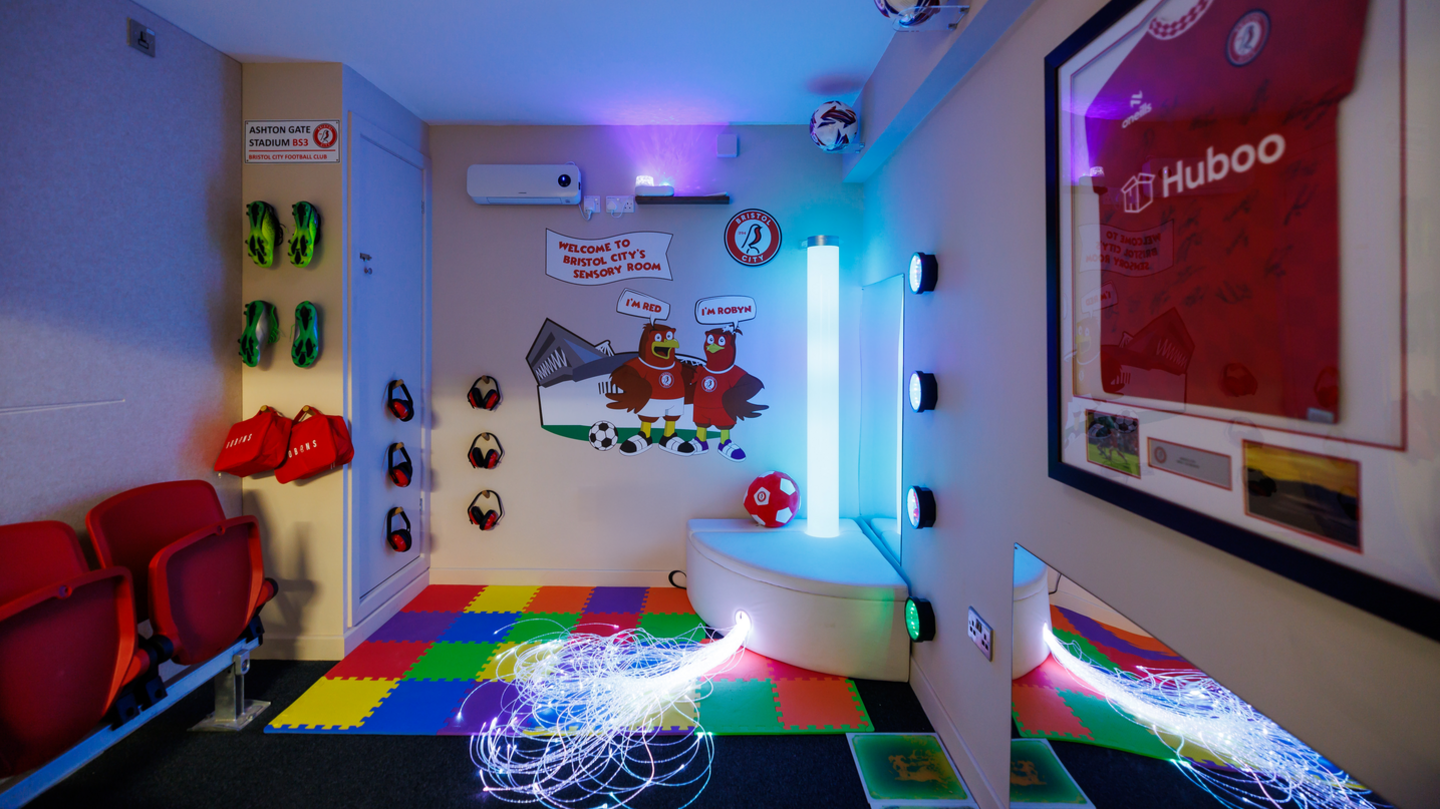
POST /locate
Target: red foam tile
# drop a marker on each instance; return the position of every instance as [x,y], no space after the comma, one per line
[750,666]
[667,599]
[376,660]
[785,671]
[819,703]
[1043,710]
[607,623]
[559,599]
[444,598]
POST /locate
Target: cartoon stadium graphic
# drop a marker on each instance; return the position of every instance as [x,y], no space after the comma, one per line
[589,392]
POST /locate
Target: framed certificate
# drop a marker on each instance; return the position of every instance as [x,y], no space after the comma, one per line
[1233,352]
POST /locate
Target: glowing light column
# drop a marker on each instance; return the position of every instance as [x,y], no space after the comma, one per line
[822,388]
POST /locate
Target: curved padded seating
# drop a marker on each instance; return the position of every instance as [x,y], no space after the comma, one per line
[1030,614]
[203,575]
[67,645]
[833,605]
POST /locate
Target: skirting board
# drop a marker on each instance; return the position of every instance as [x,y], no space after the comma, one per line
[970,770]
[358,634]
[559,577]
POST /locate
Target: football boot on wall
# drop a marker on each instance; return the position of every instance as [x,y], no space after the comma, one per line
[262,327]
[307,233]
[265,233]
[305,348]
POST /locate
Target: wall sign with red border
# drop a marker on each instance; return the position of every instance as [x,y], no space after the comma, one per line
[752,237]
[292,141]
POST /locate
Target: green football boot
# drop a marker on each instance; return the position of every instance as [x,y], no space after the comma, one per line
[307,233]
[305,348]
[262,327]
[265,233]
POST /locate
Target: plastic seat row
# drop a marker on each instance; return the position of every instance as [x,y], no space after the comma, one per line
[70,652]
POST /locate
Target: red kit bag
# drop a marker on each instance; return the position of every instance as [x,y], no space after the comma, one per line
[318,443]
[255,444]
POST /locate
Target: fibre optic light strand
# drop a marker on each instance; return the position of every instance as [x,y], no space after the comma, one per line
[1196,717]
[583,725]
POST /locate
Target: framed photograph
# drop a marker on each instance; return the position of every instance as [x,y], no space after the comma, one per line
[1229,261]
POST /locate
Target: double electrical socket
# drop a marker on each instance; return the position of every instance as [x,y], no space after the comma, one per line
[614,205]
[980,633]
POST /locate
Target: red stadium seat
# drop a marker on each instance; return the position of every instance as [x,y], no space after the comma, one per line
[37,554]
[131,527]
[67,646]
[203,575]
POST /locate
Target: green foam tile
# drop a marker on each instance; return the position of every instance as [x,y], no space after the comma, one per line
[451,661]
[1109,728]
[739,707]
[673,625]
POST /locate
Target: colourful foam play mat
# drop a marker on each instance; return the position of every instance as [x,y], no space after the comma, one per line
[1050,703]
[432,669]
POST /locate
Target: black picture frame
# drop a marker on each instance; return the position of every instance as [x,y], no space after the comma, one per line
[1414,611]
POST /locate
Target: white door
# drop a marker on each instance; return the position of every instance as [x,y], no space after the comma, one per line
[387,333]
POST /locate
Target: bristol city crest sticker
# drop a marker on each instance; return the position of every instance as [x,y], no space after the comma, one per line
[1247,38]
[752,237]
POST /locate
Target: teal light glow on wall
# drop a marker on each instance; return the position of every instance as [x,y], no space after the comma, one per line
[822,386]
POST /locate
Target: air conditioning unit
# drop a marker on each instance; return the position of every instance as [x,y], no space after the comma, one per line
[557,184]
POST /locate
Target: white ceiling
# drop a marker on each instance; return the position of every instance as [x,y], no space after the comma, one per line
[566,61]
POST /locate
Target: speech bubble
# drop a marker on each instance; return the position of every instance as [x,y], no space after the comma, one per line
[724,309]
[634,304]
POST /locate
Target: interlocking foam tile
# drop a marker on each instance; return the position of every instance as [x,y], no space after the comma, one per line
[418,707]
[501,666]
[740,707]
[479,627]
[616,599]
[541,626]
[415,626]
[749,666]
[486,701]
[444,598]
[451,661]
[379,660]
[667,599]
[673,625]
[502,598]
[607,623]
[1104,722]
[1038,713]
[334,704]
[832,705]
[560,599]
[785,671]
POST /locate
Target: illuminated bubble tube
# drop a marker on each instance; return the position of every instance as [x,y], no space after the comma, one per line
[1194,715]
[583,725]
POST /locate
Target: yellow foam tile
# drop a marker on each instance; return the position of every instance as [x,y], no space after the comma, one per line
[335,704]
[502,598]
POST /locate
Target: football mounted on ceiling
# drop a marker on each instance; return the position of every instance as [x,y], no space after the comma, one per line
[923,15]
[835,127]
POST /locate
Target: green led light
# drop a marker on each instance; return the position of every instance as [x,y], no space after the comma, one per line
[912,619]
[919,619]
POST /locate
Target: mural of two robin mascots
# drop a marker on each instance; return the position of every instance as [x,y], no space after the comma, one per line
[656,385]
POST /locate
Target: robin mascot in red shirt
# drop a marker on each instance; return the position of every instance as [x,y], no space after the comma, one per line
[722,394]
[653,386]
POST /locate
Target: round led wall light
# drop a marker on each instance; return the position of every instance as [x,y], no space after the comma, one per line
[920,503]
[923,269]
[919,619]
[922,392]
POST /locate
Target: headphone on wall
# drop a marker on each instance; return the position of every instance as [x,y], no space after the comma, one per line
[397,538]
[485,516]
[402,472]
[404,409]
[482,458]
[484,393]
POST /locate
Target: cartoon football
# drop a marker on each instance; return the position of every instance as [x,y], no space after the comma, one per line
[833,126]
[773,499]
[910,12]
[603,435]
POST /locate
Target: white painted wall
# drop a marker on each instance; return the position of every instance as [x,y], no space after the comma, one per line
[575,515]
[969,185]
[120,284]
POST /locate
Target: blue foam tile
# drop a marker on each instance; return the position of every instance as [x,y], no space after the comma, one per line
[418,707]
[479,627]
[414,626]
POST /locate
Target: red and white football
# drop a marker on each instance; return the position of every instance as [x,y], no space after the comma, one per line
[773,499]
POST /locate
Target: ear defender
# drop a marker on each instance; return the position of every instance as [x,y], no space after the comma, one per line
[486,457]
[397,538]
[402,471]
[486,514]
[402,405]
[484,393]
